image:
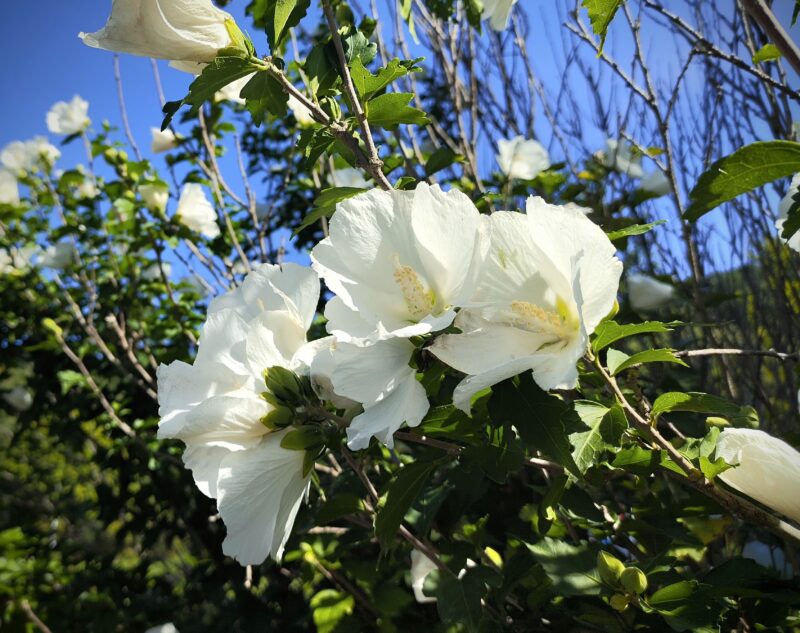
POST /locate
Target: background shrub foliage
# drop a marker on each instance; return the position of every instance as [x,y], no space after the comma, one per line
[578,511]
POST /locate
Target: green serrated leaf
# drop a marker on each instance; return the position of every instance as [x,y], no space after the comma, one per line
[368,84]
[321,68]
[357,46]
[571,568]
[442,158]
[400,494]
[746,169]
[704,403]
[635,229]
[263,94]
[391,109]
[618,361]
[767,53]
[537,416]
[601,12]
[609,332]
[458,599]
[325,204]
[218,74]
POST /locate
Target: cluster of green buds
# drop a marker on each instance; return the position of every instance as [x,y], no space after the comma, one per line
[294,404]
[627,583]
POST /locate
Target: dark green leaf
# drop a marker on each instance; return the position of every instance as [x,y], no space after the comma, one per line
[400,494]
[571,568]
[609,332]
[440,159]
[321,69]
[458,599]
[340,505]
[368,84]
[537,416]
[704,403]
[391,109]
[263,94]
[280,16]
[672,596]
[325,204]
[357,46]
[746,169]
[618,361]
[302,438]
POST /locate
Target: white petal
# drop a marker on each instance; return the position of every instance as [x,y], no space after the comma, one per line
[187,30]
[467,388]
[768,468]
[260,491]
[647,293]
[204,462]
[367,374]
[196,212]
[522,158]
[421,566]
[407,403]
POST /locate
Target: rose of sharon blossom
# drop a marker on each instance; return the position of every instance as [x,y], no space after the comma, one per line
[301,113]
[766,468]
[196,212]
[9,189]
[522,158]
[19,398]
[349,177]
[647,293]
[162,141]
[59,255]
[783,212]
[619,155]
[216,406]
[69,117]
[498,13]
[550,277]
[400,263]
[155,196]
[28,156]
[186,31]
[656,182]
[421,566]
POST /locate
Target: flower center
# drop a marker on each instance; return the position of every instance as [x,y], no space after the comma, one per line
[560,324]
[419,300]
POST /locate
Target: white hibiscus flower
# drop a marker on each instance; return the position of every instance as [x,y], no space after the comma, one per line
[647,293]
[551,276]
[522,158]
[498,12]
[69,117]
[196,212]
[619,155]
[216,407]
[783,213]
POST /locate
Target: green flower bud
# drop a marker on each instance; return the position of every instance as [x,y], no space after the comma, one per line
[609,568]
[633,580]
[284,384]
[278,418]
[619,602]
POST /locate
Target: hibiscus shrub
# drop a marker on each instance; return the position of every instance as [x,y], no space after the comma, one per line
[444,412]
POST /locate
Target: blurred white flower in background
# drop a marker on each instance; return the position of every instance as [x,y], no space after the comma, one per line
[620,156]
[169,627]
[186,31]
[29,156]
[550,277]
[58,255]
[647,294]
[767,469]
[154,195]
[231,91]
[9,188]
[783,212]
[19,398]
[349,177]
[498,12]
[87,190]
[162,141]
[69,118]
[421,566]
[522,158]
[656,182]
[301,113]
[196,212]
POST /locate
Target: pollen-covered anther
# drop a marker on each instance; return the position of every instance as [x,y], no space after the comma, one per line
[528,316]
[419,301]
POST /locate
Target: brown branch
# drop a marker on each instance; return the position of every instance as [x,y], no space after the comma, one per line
[766,19]
[26,607]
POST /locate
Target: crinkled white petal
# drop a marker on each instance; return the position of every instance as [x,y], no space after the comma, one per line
[647,293]
[9,189]
[421,566]
[619,155]
[768,469]
[196,212]
[520,157]
[348,177]
[259,494]
[162,141]
[406,403]
[68,117]
[184,30]
[783,213]
[498,13]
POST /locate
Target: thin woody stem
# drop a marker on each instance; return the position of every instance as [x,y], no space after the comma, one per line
[694,477]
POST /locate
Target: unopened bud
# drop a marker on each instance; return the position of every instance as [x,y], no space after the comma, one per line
[619,602]
[633,580]
[609,568]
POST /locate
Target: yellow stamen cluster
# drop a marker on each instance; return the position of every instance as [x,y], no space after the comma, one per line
[528,316]
[418,300]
